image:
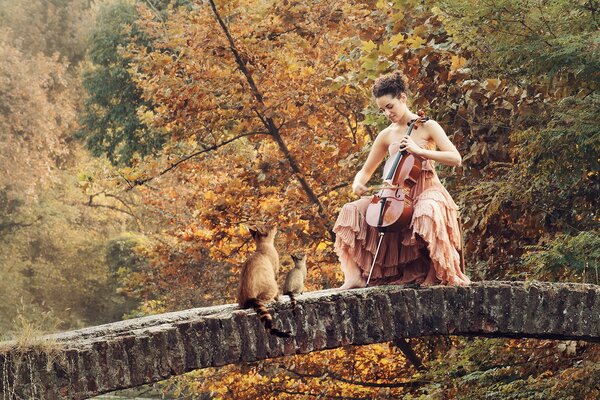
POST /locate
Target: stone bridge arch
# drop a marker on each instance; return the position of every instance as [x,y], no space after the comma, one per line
[130,353]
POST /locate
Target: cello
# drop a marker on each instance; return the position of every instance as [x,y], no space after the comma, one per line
[391,209]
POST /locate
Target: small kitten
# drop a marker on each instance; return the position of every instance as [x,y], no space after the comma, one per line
[294,281]
[258,283]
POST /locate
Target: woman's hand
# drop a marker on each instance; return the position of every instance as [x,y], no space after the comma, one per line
[358,188]
[409,145]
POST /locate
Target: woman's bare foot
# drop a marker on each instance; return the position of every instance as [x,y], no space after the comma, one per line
[352,274]
[354,283]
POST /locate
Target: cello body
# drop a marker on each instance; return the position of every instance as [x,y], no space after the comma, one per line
[391,209]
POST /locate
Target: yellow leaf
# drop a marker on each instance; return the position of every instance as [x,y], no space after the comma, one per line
[313,120]
[457,63]
[420,30]
[146,116]
[492,84]
[398,15]
[210,195]
[322,246]
[381,4]
[271,206]
[370,64]
[385,49]
[396,39]
[369,46]
[415,42]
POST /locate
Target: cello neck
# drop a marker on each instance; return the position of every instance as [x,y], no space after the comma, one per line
[400,154]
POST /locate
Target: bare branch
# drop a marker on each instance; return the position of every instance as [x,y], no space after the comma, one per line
[358,383]
[270,124]
[331,189]
[90,204]
[139,182]
[236,54]
[7,227]
[319,395]
[129,211]
[409,353]
[120,201]
[544,20]
[347,118]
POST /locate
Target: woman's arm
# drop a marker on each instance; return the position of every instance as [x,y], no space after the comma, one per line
[376,155]
[447,153]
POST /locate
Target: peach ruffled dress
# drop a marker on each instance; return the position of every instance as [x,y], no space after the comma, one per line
[427,252]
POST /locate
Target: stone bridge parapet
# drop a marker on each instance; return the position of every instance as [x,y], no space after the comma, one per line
[134,352]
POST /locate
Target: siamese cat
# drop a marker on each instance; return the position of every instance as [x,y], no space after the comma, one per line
[258,284]
[294,281]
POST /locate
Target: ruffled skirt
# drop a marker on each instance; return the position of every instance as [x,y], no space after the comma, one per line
[426,252]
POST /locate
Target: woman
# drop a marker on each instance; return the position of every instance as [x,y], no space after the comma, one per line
[426,252]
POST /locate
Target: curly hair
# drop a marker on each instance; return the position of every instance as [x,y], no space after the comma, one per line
[393,84]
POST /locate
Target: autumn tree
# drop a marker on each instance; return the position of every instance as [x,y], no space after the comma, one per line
[51,27]
[52,242]
[266,112]
[257,128]
[110,123]
[545,194]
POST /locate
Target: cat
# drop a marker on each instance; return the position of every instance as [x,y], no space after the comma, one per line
[258,284]
[294,281]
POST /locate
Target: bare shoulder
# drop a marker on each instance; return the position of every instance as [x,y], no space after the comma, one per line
[434,130]
[432,127]
[383,137]
[385,131]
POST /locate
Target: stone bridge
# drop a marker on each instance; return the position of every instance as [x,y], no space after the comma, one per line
[100,359]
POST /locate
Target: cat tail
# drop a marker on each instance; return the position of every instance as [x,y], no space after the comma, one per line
[266,318]
[293,301]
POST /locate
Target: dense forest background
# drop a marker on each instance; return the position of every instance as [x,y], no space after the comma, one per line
[138,137]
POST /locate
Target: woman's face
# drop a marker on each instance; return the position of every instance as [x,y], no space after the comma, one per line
[394,108]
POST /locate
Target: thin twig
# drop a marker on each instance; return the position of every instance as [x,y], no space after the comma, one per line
[318,395]
[139,182]
[156,12]
[120,201]
[331,189]
[352,129]
[544,20]
[359,383]
[269,123]
[111,208]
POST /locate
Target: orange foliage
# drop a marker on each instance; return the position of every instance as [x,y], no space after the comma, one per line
[276,138]
[277,118]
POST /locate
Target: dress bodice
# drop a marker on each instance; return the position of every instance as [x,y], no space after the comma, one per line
[425,144]
[427,167]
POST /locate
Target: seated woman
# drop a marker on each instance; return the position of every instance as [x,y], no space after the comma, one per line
[427,251]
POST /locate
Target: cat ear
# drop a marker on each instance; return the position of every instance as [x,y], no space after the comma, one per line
[252,229]
[265,229]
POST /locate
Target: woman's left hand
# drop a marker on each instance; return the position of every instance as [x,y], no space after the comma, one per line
[409,145]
